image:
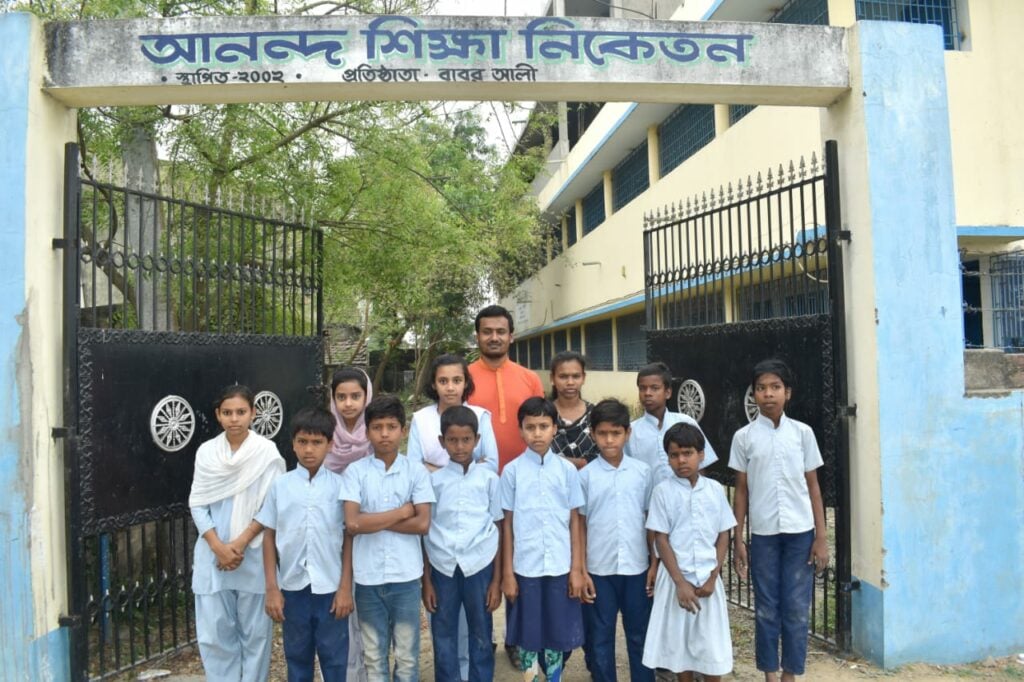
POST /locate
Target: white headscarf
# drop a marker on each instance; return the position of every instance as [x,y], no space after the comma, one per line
[244,475]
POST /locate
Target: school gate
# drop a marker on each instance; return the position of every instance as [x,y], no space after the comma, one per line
[876,85]
[167,301]
[767,251]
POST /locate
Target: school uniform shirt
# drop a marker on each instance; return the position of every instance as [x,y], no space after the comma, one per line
[501,391]
[540,493]
[615,501]
[309,524]
[462,531]
[424,445]
[206,577]
[647,443]
[692,516]
[386,556]
[775,460]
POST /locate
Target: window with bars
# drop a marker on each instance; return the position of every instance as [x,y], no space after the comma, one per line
[684,132]
[513,352]
[808,12]
[536,354]
[593,208]
[803,294]
[738,111]
[570,227]
[940,12]
[545,351]
[631,177]
[560,342]
[599,345]
[631,338]
[576,339]
[1007,274]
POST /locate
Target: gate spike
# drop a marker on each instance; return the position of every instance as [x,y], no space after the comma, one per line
[689,208]
[760,182]
[792,171]
[721,195]
[703,202]
[781,174]
[814,163]
[730,195]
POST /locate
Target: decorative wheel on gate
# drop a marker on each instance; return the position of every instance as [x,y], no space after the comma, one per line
[750,405]
[690,399]
[172,423]
[269,414]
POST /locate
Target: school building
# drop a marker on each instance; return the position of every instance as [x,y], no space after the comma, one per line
[946,371]
[923,195]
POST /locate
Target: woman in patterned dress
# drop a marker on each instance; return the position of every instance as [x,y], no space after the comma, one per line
[572,441]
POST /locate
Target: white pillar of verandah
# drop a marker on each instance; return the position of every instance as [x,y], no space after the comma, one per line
[248,59]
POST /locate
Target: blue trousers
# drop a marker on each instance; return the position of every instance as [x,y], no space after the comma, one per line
[309,627]
[617,593]
[783,588]
[390,614]
[234,634]
[453,594]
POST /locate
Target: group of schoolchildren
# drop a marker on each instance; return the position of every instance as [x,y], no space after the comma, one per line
[344,548]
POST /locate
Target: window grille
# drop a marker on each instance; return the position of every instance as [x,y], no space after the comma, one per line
[808,12]
[570,227]
[536,354]
[513,352]
[940,12]
[738,111]
[803,294]
[631,177]
[576,339]
[695,311]
[599,345]
[593,208]
[1007,274]
[684,132]
[631,337]
[560,342]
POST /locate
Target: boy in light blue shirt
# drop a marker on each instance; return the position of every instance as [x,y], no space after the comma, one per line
[621,568]
[387,507]
[307,565]
[462,548]
[654,386]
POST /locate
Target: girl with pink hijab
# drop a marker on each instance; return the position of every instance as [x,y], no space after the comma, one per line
[351,390]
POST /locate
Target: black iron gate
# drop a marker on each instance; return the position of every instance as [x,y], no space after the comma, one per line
[749,272]
[166,302]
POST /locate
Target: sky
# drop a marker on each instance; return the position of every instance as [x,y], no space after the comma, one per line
[503,126]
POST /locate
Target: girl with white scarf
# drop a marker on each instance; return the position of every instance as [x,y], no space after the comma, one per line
[233,473]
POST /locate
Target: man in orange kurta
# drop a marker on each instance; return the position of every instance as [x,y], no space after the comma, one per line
[501,384]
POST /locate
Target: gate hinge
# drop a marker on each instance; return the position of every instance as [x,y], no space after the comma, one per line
[851,586]
[69,621]
[847,411]
[60,432]
[59,243]
[845,236]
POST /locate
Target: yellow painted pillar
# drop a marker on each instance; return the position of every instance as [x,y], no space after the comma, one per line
[721,118]
[609,197]
[653,154]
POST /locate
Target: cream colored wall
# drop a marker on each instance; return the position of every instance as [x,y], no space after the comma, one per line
[50,125]
[613,252]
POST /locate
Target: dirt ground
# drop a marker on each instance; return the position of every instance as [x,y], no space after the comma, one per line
[822,664]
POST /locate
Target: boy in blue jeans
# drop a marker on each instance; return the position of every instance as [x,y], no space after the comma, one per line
[311,589]
[621,568]
[462,548]
[387,507]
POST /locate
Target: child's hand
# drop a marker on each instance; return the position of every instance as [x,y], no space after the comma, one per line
[739,558]
[228,557]
[652,576]
[581,586]
[342,605]
[274,605]
[819,555]
[429,596]
[686,594]
[708,588]
[493,596]
[510,588]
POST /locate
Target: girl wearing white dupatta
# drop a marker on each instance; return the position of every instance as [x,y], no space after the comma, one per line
[233,473]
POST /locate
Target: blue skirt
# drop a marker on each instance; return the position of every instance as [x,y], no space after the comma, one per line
[543,616]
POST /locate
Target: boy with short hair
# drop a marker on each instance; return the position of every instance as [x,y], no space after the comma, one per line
[311,589]
[387,505]
[542,564]
[691,519]
[462,549]
[616,490]
[654,386]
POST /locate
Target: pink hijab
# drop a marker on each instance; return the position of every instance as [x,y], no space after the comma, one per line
[348,446]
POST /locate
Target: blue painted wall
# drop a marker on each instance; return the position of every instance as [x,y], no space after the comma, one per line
[952,466]
[25,657]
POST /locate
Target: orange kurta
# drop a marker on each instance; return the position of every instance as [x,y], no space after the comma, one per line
[501,391]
